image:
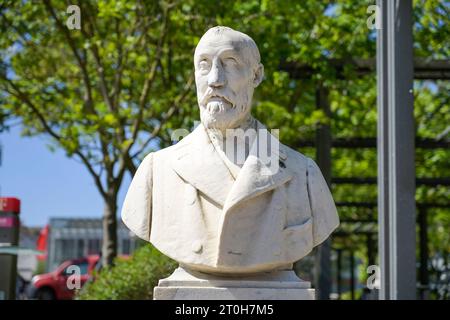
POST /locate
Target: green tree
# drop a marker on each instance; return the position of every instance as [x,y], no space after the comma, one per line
[130,279]
[107,93]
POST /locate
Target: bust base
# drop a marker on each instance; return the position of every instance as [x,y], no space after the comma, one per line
[190,285]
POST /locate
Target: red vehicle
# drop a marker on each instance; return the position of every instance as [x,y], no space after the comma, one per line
[54,285]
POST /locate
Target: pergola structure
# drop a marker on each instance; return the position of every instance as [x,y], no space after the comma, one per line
[396,69]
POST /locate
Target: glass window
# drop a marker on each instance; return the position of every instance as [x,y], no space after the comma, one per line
[80,248]
[126,246]
[94,246]
[68,249]
[70,269]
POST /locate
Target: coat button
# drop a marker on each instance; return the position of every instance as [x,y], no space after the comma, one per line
[197,246]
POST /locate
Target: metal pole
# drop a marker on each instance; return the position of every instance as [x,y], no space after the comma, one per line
[323,157]
[423,240]
[352,275]
[370,250]
[338,273]
[396,133]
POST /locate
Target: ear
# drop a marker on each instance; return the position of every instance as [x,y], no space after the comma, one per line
[259,75]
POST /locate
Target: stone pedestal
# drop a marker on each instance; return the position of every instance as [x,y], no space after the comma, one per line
[190,285]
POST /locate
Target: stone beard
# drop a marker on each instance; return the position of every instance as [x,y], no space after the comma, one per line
[199,205]
[227,70]
[224,112]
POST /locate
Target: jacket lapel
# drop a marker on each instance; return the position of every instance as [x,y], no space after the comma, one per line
[259,173]
[197,162]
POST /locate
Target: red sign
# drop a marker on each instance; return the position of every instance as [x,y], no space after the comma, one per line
[8,222]
[9,205]
[42,242]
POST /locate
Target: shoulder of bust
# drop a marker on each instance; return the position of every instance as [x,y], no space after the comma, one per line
[294,159]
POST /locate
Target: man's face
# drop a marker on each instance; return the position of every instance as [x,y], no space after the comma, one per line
[224,75]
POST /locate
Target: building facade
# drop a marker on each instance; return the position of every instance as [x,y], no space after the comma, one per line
[72,238]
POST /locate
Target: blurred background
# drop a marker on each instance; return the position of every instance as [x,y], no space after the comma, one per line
[81,107]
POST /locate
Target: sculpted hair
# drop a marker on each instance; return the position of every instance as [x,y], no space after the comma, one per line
[243,42]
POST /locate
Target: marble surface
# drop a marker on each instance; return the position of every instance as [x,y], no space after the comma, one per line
[256,206]
[190,285]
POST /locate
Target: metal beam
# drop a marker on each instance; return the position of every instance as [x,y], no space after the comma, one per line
[371,142]
[369,205]
[396,171]
[432,182]
[424,69]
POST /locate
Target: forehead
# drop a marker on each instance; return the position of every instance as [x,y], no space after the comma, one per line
[216,44]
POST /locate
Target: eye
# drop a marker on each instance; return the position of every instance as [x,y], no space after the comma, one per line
[230,61]
[203,64]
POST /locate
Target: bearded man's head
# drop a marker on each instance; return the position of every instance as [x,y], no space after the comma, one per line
[227,70]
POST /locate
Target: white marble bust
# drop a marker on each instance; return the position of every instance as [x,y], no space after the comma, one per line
[226,210]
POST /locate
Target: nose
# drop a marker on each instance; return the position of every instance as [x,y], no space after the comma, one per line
[216,77]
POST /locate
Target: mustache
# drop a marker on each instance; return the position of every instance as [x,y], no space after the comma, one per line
[211,93]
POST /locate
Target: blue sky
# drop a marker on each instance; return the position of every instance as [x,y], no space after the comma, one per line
[49,184]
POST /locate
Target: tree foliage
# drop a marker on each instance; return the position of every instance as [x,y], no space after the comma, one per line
[132,279]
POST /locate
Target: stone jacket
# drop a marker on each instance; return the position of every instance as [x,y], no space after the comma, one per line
[184,200]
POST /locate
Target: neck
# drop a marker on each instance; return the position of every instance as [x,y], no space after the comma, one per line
[233,141]
[248,123]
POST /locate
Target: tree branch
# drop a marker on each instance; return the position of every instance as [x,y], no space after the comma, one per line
[25,99]
[167,116]
[148,84]
[81,63]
